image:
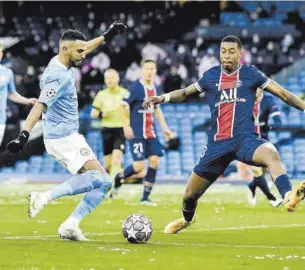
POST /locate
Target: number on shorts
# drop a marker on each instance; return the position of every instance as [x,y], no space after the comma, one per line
[138,148]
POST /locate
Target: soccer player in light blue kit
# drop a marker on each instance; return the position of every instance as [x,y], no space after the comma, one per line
[8,91]
[59,108]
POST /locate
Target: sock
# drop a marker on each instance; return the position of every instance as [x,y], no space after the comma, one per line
[128,171]
[262,184]
[252,186]
[91,200]
[115,169]
[189,208]
[283,184]
[78,184]
[150,178]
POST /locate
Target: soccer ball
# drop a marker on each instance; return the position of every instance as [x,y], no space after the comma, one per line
[137,229]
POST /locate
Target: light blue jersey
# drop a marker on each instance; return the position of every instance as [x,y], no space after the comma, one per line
[58,94]
[7,85]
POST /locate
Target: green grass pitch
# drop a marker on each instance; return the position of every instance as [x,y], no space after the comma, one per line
[228,234]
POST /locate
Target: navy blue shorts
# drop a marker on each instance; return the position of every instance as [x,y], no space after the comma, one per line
[142,149]
[218,155]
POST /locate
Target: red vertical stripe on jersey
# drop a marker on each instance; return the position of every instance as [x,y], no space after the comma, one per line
[149,132]
[256,112]
[225,121]
[226,111]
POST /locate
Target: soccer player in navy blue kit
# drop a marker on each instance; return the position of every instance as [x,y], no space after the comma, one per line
[141,132]
[265,109]
[230,90]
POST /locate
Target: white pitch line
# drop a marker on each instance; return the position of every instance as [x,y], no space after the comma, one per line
[163,243]
[255,227]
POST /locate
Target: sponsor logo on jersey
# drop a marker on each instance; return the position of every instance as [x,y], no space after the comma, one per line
[229,96]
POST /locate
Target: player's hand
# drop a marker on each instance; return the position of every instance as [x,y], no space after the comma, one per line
[17,145]
[32,101]
[114,29]
[168,134]
[128,132]
[148,103]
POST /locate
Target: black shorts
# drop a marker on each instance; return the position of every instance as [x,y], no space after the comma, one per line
[113,138]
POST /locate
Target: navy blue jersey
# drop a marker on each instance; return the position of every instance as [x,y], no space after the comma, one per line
[141,121]
[231,98]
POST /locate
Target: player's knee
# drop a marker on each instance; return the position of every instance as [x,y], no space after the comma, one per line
[154,162]
[189,202]
[102,181]
[139,166]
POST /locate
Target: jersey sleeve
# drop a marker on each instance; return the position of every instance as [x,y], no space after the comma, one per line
[51,90]
[11,84]
[131,96]
[260,79]
[97,102]
[200,84]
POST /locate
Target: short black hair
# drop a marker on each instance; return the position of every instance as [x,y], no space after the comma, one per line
[233,39]
[71,34]
[148,61]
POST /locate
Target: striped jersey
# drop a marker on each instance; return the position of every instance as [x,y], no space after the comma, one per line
[141,121]
[231,98]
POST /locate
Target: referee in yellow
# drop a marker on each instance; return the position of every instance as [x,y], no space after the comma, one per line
[106,105]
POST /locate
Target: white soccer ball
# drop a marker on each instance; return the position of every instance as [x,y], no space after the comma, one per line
[137,229]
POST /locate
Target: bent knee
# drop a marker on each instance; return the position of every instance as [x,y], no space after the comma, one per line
[139,166]
[154,162]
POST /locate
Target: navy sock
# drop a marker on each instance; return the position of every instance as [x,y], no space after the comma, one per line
[283,184]
[151,178]
[128,171]
[252,186]
[262,184]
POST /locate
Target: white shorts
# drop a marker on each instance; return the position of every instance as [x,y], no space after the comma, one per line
[71,151]
[2,129]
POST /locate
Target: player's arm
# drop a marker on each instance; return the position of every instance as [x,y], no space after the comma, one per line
[285,95]
[172,97]
[124,110]
[17,98]
[16,145]
[14,96]
[96,111]
[114,29]
[161,119]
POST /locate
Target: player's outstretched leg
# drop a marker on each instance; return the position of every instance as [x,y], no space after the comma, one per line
[78,184]
[70,228]
[195,188]
[267,155]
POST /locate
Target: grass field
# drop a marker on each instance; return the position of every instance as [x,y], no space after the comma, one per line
[228,234]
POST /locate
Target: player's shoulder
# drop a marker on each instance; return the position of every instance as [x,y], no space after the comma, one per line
[135,86]
[6,70]
[252,69]
[212,71]
[56,70]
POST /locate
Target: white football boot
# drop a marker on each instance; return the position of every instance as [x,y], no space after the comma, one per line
[251,198]
[37,201]
[70,231]
[276,203]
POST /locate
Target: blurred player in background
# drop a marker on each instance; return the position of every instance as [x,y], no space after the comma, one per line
[265,109]
[106,105]
[141,131]
[8,91]
[230,90]
[59,108]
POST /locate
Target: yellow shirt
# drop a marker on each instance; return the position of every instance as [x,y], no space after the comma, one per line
[108,103]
